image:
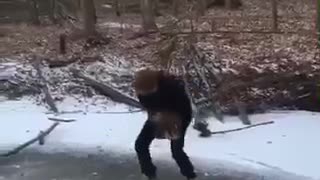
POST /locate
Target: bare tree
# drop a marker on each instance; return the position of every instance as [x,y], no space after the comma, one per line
[116,6]
[52,11]
[148,17]
[62,43]
[228,4]
[119,9]
[274,15]
[89,16]
[318,21]
[202,6]
[78,8]
[175,7]
[34,12]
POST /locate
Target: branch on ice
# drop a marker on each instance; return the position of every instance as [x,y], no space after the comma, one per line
[61,120]
[39,138]
[242,128]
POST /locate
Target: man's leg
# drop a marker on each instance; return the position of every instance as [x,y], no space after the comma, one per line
[142,144]
[182,159]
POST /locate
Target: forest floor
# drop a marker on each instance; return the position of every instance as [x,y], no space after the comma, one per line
[251,59]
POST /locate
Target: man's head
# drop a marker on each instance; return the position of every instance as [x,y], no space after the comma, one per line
[146,81]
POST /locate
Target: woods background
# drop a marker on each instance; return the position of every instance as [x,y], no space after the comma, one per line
[237,57]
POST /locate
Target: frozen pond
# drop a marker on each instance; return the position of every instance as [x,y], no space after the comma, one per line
[100,146]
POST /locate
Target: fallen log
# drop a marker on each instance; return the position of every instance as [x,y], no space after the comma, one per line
[45,88]
[106,90]
[39,138]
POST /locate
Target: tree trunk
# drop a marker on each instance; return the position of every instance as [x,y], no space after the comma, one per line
[175,7]
[52,11]
[34,12]
[62,44]
[116,7]
[148,17]
[78,9]
[89,16]
[228,4]
[274,15]
[318,22]
[202,6]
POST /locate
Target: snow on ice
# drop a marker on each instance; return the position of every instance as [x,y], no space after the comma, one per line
[290,144]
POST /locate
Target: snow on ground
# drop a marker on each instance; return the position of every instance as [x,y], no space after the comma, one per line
[118,25]
[288,145]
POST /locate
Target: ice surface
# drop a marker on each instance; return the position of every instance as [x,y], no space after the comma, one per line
[290,144]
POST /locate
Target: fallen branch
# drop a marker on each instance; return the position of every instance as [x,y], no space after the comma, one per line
[67,112]
[99,112]
[59,62]
[106,90]
[242,128]
[61,120]
[120,112]
[45,88]
[233,32]
[269,80]
[39,138]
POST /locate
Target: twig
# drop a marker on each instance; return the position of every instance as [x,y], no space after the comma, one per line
[45,88]
[28,143]
[242,128]
[61,120]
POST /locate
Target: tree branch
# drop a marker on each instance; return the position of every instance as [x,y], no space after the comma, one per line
[242,128]
[39,138]
[61,120]
[45,88]
[107,90]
